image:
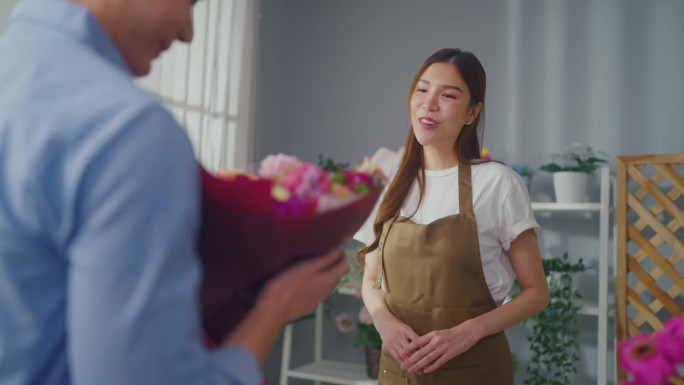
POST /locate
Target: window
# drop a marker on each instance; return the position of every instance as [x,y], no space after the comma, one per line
[208,85]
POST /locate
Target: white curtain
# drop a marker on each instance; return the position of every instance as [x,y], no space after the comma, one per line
[209,84]
[602,72]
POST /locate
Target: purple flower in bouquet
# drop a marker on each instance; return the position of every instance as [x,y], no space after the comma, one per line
[291,206]
[360,182]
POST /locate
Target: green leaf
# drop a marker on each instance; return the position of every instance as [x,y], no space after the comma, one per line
[328,164]
[553,343]
[551,167]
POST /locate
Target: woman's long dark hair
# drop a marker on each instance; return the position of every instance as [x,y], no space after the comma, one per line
[466,147]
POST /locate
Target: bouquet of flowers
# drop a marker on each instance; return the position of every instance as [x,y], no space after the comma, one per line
[303,188]
[652,359]
[255,225]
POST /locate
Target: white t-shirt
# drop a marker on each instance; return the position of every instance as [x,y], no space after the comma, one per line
[502,211]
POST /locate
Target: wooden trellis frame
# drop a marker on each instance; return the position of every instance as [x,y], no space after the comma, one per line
[650,244]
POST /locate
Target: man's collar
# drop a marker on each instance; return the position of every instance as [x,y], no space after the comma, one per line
[71,19]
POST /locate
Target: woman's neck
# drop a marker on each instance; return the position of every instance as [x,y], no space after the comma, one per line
[439,159]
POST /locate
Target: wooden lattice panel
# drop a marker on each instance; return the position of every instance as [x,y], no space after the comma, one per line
[650,244]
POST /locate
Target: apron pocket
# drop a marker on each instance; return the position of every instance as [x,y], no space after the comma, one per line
[390,377]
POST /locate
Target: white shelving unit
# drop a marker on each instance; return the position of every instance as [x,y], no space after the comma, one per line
[336,372]
[599,309]
[320,370]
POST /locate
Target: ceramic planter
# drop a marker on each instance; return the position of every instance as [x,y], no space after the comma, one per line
[570,186]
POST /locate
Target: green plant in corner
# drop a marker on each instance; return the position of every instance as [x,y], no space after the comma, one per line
[577,157]
[553,343]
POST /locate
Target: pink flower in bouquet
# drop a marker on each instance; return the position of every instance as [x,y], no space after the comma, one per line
[307,182]
[276,167]
[360,182]
[297,184]
[644,357]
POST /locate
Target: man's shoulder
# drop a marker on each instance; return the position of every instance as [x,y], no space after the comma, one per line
[62,76]
[71,96]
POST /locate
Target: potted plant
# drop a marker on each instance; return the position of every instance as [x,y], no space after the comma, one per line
[553,343]
[366,335]
[571,170]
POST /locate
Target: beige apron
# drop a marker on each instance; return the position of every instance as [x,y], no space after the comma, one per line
[433,279]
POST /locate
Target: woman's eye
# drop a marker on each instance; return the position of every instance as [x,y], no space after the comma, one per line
[450,96]
[421,90]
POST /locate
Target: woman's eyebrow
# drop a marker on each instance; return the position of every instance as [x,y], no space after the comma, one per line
[457,88]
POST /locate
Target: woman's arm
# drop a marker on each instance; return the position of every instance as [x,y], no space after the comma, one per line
[435,348]
[534,292]
[394,333]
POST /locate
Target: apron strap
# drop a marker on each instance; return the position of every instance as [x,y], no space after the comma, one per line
[381,256]
[465,189]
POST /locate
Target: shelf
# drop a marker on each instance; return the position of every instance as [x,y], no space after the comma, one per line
[334,372]
[588,308]
[553,206]
[346,290]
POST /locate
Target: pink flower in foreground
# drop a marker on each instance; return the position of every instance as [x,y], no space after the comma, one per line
[645,359]
[671,339]
[365,317]
[344,323]
[675,326]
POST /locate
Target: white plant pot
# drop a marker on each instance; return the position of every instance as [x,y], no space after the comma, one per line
[570,186]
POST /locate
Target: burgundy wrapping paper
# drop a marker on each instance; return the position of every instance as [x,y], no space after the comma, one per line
[242,244]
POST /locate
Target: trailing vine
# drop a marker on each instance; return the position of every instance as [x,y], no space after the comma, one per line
[553,344]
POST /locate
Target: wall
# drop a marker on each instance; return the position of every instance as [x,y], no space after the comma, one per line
[6,7]
[335,73]
[334,77]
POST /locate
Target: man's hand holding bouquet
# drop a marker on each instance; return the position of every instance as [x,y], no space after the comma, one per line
[256,225]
